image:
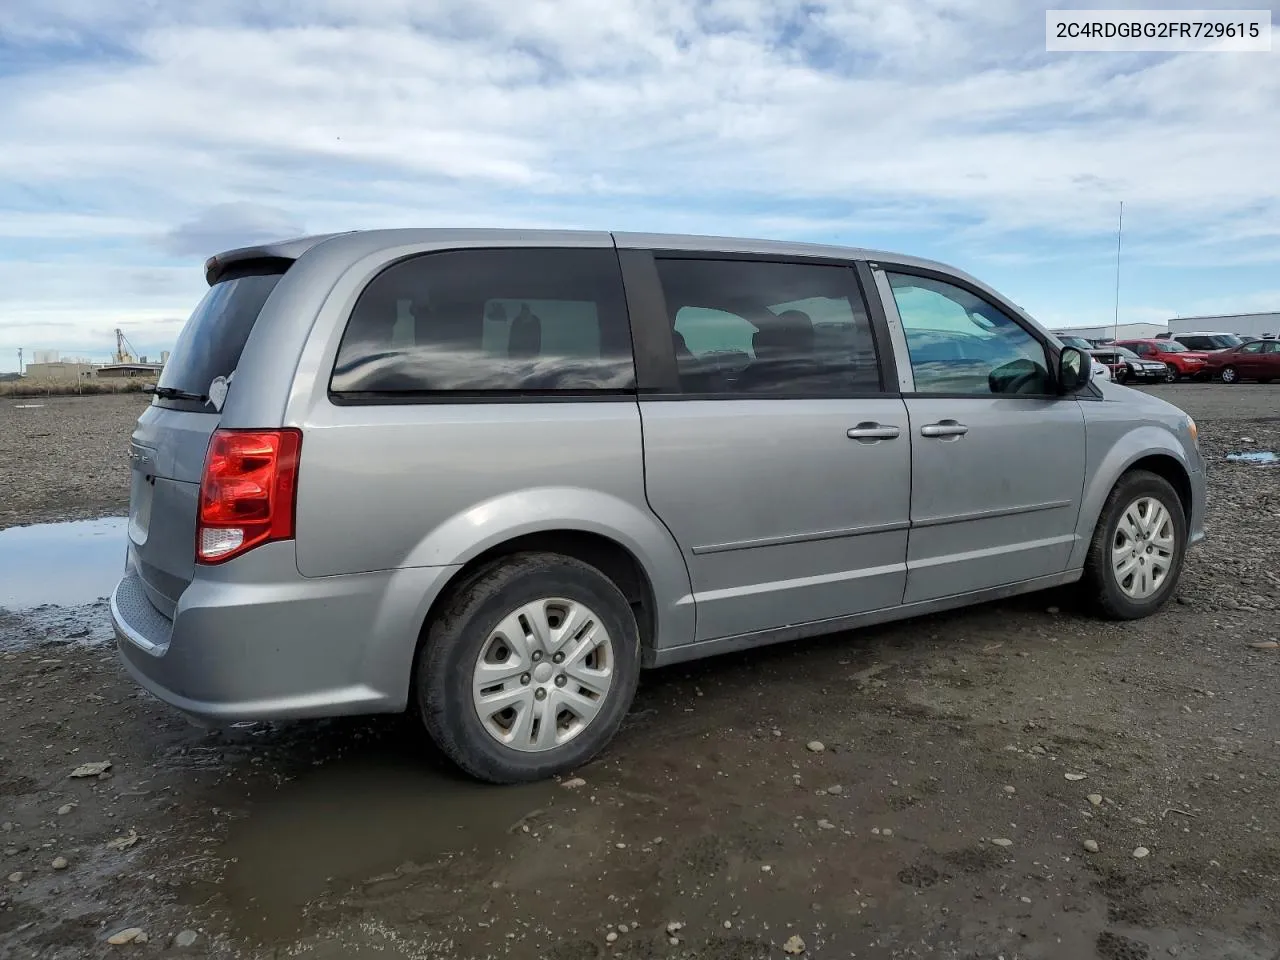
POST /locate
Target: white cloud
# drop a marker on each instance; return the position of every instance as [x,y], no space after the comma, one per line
[230,225]
[202,126]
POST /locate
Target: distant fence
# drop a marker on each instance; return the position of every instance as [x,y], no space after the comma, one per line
[52,388]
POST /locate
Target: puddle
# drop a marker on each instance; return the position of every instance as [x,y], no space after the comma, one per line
[1262,458]
[349,821]
[61,564]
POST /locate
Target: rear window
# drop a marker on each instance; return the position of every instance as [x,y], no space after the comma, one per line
[528,321]
[214,337]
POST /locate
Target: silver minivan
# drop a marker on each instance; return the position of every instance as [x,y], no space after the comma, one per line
[487,476]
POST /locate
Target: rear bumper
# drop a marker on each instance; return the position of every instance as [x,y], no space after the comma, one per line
[254,640]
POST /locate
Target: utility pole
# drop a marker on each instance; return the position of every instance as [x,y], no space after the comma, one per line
[1115,330]
[19,361]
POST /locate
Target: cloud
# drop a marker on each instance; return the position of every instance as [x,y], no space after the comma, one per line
[941,126]
[229,225]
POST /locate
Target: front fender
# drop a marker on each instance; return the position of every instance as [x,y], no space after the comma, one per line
[490,523]
[1116,455]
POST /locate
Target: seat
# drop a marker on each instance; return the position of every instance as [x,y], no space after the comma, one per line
[524,339]
[784,348]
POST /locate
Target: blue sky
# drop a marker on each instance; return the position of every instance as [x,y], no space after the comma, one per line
[139,137]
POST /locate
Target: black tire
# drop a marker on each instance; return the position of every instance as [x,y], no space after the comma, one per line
[1102,590]
[1229,374]
[454,641]
[1170,373]
[1264,379]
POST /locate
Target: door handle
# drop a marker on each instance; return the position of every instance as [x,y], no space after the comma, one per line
[944,428]
[873,431]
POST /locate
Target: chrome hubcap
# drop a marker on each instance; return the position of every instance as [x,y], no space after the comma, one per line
[543,675]
[1228,375]
[1143,550]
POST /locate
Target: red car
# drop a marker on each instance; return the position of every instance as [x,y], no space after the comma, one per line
[1259,361]
[1179,362]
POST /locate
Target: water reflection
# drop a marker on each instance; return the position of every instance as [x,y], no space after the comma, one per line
[380,810]
[63,564]
[1263,458]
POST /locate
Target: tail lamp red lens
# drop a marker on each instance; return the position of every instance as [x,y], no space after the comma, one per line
[247,493]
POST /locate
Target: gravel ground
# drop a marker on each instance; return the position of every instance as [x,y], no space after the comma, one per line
[970,763]
[65,458]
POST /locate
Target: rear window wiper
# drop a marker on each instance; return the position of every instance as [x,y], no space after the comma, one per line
[173,393]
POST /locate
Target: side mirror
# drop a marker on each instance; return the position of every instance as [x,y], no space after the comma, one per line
[1075,369]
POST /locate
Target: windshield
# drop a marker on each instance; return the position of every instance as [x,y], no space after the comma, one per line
[210,344]
[1126,353]
[1080,342]
[1170,346]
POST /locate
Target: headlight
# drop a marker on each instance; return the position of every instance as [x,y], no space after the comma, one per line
[1194,431]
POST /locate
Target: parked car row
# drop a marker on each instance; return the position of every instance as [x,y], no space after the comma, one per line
[1186,356]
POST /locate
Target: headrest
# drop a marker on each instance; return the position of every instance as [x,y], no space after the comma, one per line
[525,336]
[789,334]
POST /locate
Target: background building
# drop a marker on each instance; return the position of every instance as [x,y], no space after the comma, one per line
[1125,331]
[60,371]
[1252,324]
[141,369]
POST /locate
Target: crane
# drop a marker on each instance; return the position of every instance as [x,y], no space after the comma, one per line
[124,355]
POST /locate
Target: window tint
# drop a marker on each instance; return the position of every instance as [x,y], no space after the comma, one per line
[1170,346]
[214,337]
[1212,341]
[960,343]
[1273,346]
[1251,348]
[753,327]
[521,321]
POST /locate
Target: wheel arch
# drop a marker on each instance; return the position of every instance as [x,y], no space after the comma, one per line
[627,544]
[1155,452]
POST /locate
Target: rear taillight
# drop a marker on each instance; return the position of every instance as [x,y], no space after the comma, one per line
[247,492]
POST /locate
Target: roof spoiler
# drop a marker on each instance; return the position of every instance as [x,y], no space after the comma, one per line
[219,264]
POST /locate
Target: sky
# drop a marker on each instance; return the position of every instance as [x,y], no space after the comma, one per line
[137,137]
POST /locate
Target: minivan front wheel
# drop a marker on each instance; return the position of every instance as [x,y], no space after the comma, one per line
[529,669]
[1135,557]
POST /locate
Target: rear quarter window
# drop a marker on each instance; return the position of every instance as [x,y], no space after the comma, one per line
[502,321]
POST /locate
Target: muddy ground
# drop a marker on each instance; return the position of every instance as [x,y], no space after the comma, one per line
[939,820]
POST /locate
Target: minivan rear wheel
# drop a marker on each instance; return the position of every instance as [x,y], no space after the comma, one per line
[529,669]
[1135,557]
